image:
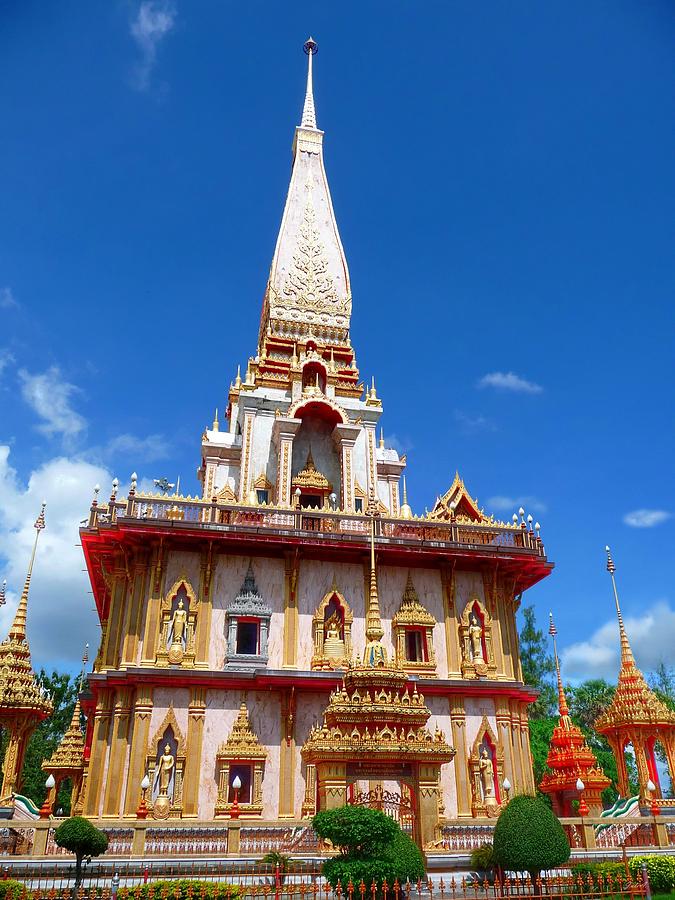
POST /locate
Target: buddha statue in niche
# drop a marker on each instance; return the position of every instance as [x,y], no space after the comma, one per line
[333,645]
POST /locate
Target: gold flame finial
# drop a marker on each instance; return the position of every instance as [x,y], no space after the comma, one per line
[374,630]
[18,630]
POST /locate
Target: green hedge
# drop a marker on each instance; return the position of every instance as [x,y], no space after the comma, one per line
[178,890]
[660,869]
[12,890]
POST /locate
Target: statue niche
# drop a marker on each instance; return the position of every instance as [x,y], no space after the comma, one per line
[332,632]
[165,764]
[177,626]
[475,638]
[486,767]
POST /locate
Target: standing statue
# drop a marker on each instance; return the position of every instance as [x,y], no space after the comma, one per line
[178,623]
[476,638]
[164,771]
[487,776]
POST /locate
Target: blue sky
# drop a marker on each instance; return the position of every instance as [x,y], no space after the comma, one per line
[503,180]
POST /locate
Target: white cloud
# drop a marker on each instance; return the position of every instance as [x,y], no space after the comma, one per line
[512,504]
[469,423]
[646,518]
[147,449]
[7,299]
[50,396]
[509,381]
[61,616]
[652,638]
[154,20]
[6,359]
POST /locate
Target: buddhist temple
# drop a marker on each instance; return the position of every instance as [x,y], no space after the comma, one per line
[23,701]
[295,637]
[637,718]
[571,760]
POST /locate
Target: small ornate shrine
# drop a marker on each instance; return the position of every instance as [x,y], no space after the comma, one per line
[23,701]
[570,759]
[242,756]
[638,718]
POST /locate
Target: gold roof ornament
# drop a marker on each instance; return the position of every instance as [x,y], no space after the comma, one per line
[374,654]
[19,688]
[457,503]
[634,703]
[310,478]
[69,755]
[411,611]
[242,743]
[406,511]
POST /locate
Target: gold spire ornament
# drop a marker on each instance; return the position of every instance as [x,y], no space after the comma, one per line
[24,703]
[311,48]
[374,654]
[636,716]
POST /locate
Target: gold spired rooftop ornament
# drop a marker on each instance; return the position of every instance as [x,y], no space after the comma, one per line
[24,703]
[636,716]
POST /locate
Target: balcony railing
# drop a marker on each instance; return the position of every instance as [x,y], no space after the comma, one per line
[222,516]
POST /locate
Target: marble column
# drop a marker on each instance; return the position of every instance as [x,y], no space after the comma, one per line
[246,453]
[139,747]
[193,757]
[461,763]
[345,437]
[97,764]
[283,434]
[118,753]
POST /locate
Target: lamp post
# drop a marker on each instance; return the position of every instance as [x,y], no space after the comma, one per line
[333,499]
[236,787]
[142,811]
[506,784]
[46,808]
[583,808]
[651,788]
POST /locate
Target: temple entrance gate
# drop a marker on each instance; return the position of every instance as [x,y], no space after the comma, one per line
[398,805]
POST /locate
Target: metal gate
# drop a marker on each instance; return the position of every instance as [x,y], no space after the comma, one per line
[391,803]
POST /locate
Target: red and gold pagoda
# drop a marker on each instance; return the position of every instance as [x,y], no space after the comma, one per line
[570,759]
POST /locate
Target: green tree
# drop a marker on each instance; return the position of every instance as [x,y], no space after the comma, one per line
[538,665]
[529,838]
[46,737]
[80,837]
[372,848]
[541,731]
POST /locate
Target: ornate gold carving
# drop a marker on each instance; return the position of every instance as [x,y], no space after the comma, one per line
[475,638]
[310,479]
[340,619]
[412,616]
[178,623]
[166,799]
[241,748]
[486,768]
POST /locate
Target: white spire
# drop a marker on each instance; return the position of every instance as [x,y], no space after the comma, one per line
[308,112]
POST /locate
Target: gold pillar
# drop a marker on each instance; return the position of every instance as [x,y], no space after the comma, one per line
[155,588]
[344,438]
[195,734]
[491,601]
[519,783]
[118,753]
[451,624]
[525,742]
[461,764]
[118,596]
[504,735]
[246,453]
[139,748]
[12,765]
[332,784]
[291,614]
[287,754]
[133,613]
[99,750]
[427,802]
[205,607]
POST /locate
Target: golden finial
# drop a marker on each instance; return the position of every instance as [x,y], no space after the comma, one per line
[18,630]
[294,358]
[216,424]
[374,631]
[237,380]
[626,652]
[308,112]
[562,700]
[381,438]
[406,512]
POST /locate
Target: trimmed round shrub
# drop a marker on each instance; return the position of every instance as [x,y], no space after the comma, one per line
[178,890]
[372,848]
[529,838]
[78,835]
